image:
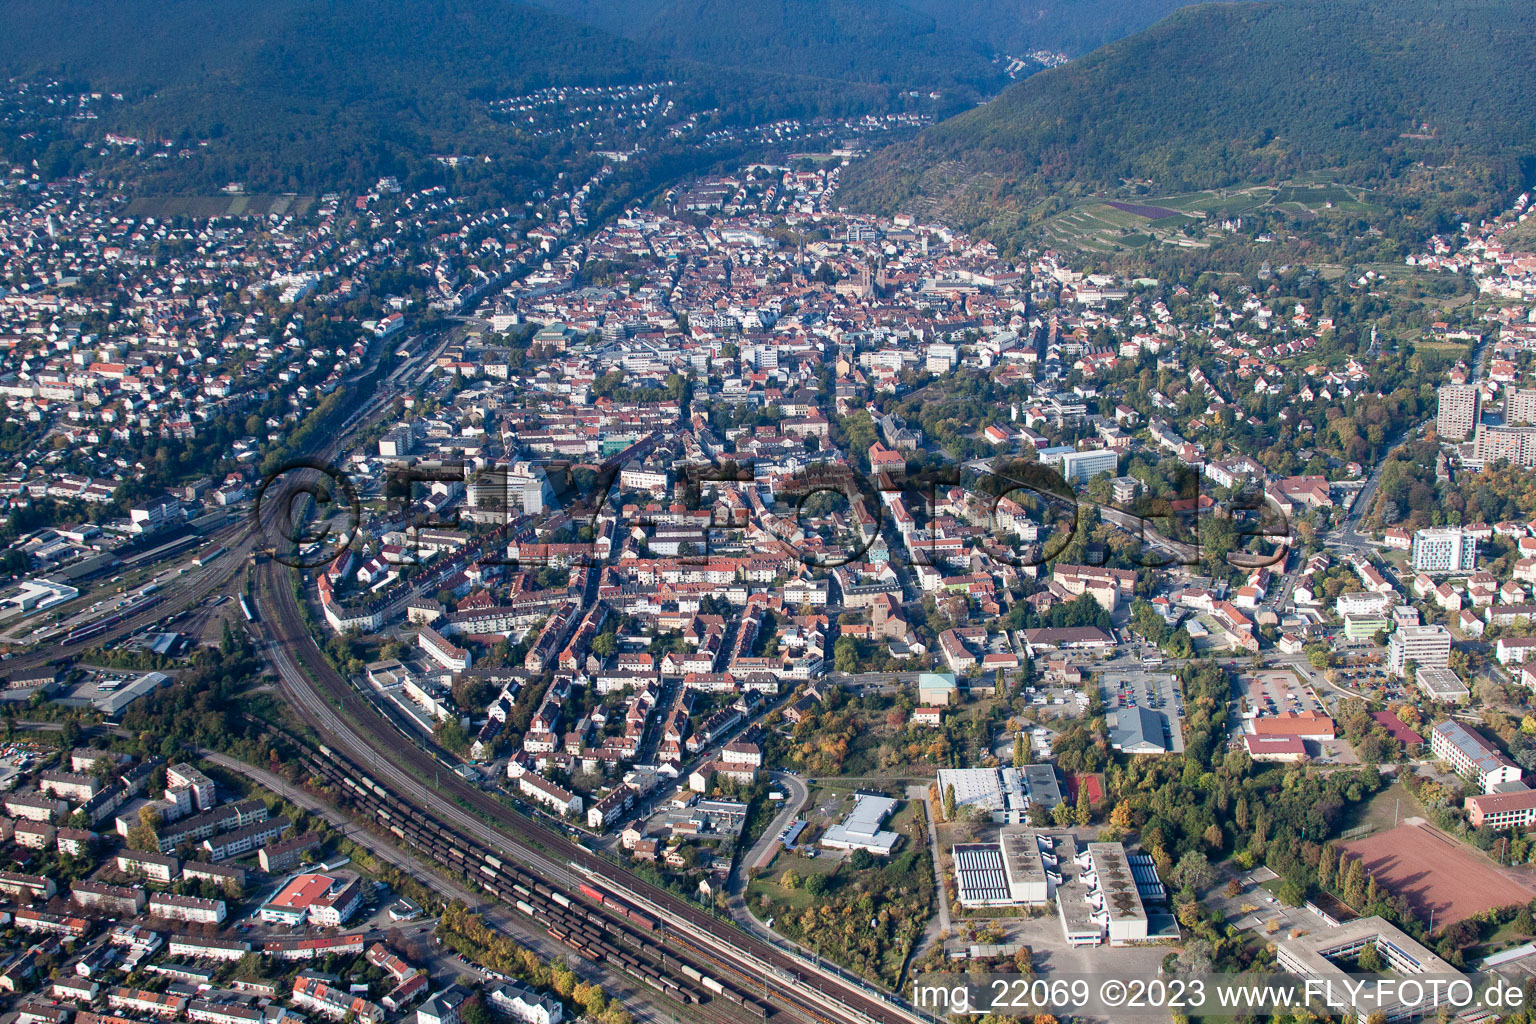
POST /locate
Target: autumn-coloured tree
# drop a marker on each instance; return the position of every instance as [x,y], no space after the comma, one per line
[1121,817]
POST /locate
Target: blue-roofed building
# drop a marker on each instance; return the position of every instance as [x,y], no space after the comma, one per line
[937,689]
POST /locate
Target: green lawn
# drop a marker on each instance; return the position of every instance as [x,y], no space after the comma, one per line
[1381,809]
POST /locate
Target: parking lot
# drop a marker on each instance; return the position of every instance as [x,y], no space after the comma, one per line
[1254,907]
[1274,692]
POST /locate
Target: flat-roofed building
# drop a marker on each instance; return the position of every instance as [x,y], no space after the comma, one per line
[1457,413]
[999,792]
[1425,646]
[1442,684]
[861,829]
[1081,467]
[1493,442]
[204,793]
[1028,866]
[1007,873]
[1364,626]
[1444,549]
[1320,954]
[1114,895]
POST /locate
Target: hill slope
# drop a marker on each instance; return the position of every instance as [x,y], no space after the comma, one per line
[881,41]
[1073,27]
[308,88]
[1225,93]
[868,40]
[302,95]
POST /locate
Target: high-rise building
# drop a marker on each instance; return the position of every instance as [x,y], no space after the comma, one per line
[1519,407]
[1081,467]
[1458,411]
[1425,646]
[1517,445]
[1444,549]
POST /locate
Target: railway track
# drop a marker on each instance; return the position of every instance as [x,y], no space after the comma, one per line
[609,932]
[59,644]
[397,762]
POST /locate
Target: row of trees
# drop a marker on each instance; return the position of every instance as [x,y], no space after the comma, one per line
[468,934]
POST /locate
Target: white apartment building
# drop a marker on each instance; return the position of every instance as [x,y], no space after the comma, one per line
[1472,755]
[186,908]
[1444,549]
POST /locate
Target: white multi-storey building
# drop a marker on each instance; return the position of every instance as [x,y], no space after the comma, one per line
[1446,549]
[1425,646]
[1472,755]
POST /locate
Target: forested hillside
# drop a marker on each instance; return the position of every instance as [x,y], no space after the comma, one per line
[304,93]
[305,96]
[1073,27]
[1421,98]
[880,41]
[869,40]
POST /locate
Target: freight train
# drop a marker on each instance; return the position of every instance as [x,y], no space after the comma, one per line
[619,935]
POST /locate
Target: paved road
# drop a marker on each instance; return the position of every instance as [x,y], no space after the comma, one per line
[796,796]
[942,925]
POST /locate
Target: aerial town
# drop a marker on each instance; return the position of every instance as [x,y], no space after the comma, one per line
[418,607]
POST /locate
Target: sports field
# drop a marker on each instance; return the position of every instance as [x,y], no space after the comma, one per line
[1435,873]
